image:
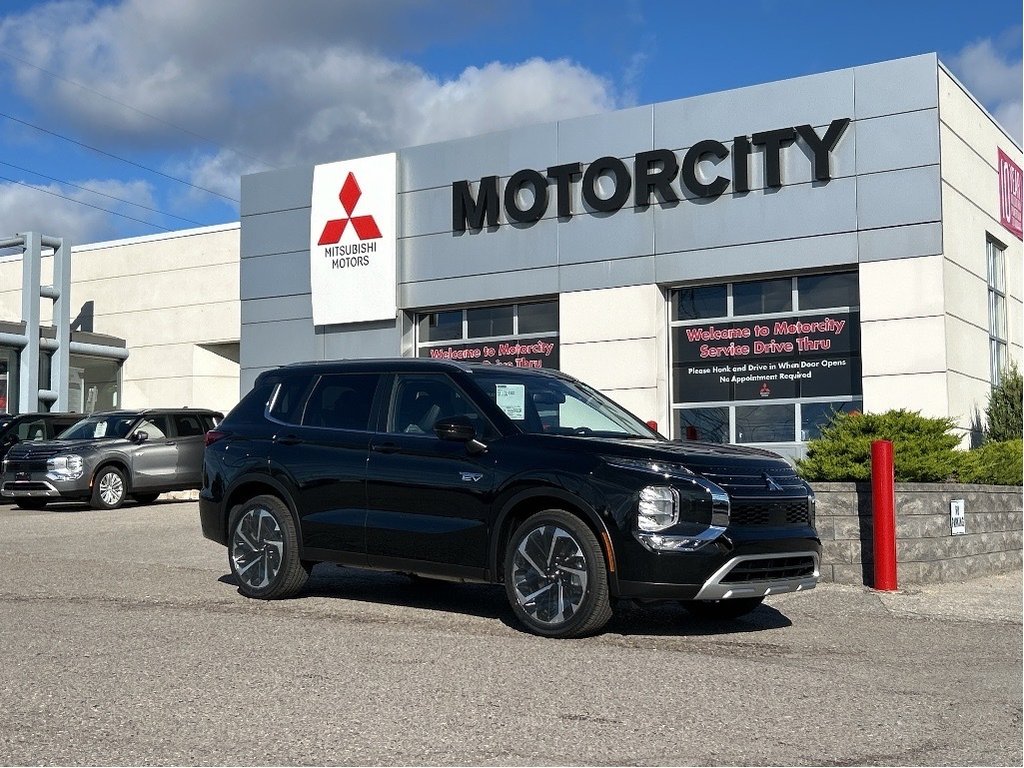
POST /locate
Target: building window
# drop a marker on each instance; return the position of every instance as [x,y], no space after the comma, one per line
[997,332]
[765,361]
[523,335]
[94,384]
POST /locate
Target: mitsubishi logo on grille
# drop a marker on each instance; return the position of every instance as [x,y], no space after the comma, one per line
[770,484]
[365,226]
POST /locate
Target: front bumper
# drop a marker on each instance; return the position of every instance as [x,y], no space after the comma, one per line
[740,563]
[41,487]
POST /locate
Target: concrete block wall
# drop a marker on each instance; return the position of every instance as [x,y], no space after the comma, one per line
[926,551]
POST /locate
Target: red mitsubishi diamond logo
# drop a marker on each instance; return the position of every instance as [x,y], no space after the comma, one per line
[365,226]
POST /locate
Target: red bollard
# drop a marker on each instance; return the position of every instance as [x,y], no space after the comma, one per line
[883,511]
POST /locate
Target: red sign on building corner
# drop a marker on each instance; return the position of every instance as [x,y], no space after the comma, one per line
[1011,195]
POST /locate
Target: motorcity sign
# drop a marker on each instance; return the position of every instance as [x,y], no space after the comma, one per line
[1011,195]
[782,357]
[352,243]
[532,352]
[658,171]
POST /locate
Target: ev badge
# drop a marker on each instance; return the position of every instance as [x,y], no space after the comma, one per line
[475,477]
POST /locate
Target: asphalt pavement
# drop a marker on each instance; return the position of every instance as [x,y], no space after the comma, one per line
[123,641]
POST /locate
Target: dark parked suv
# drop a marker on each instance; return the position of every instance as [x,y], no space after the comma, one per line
[107,457]
[32,426]
[492,474]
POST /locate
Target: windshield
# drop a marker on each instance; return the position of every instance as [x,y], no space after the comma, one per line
[550,406]
[97,427]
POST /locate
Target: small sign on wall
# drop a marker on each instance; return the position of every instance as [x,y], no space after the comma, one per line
[957,517]
[1011,195]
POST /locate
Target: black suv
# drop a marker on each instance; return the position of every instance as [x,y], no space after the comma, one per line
[500,475]
[111,455]
[32,426]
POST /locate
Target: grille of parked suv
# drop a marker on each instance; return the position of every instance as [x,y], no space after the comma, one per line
[785,512]
[21,464]
[752,482]
[770,568]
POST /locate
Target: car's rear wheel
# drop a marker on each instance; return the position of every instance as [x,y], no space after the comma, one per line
[31,503]
[145,498]
[109,488]
[722,609]
[556,579]
[263,550]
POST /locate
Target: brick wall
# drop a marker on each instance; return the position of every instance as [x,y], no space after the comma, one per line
[926,552]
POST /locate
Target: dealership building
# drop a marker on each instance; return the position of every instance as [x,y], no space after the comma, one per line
[735,266]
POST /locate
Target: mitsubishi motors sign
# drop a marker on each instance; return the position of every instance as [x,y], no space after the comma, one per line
[352,243]
[1011,195]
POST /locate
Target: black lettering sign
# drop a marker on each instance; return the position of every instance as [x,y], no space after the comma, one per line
[657,172]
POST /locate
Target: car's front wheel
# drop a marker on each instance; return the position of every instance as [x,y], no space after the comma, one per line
[722,609]
[263,550]
[109,489]
[556,579]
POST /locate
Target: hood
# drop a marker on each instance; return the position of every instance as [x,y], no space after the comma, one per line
[698,456]
[25,450]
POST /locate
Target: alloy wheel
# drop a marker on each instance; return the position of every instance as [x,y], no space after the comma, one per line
[549,571]
[257,548]
[111,488]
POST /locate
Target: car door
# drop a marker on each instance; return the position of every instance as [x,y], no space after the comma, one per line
[320,448]
[155,460]
[189,435]
[429,499]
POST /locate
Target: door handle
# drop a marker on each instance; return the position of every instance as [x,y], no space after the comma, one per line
[385,447]
[287,440]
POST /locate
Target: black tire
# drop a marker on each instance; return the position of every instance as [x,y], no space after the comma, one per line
[145,498]
[566,594]
[31,503]
[109,488]
[722,609]
[263,550]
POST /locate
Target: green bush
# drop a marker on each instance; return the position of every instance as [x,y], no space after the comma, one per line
[1004,408]
[923,448]
[999,463]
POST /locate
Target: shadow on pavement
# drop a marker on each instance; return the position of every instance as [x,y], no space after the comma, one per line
[488,601]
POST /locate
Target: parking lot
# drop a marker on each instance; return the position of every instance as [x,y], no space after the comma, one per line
[124,641]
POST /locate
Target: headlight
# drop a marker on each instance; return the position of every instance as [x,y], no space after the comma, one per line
[67,467]
[658,508]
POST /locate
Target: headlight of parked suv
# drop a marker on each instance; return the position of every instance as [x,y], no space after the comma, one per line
[68,467]
[658,508]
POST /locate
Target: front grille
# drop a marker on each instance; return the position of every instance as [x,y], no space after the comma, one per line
[764,512]
[770,569]
[26,465]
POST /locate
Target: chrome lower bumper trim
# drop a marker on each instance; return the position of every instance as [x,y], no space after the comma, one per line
[16,490]
[714,589]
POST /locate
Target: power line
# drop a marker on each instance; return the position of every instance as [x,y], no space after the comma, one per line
[82,202]
[115,157]
[129,106]
[102,194]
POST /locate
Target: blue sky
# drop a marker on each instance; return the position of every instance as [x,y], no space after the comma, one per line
[174,101]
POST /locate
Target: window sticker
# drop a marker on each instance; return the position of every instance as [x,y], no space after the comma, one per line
[511,398]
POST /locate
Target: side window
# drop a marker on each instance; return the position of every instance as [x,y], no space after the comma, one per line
[342,401]
[32,430]
[210,421]
[420,401]
[286,402]
[188,425]
[155,426]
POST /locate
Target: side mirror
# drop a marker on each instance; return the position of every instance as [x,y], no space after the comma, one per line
[457,429]
[140,437]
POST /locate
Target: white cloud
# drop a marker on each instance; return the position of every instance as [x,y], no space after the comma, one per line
[994,76]
[287,83]
[53,209]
